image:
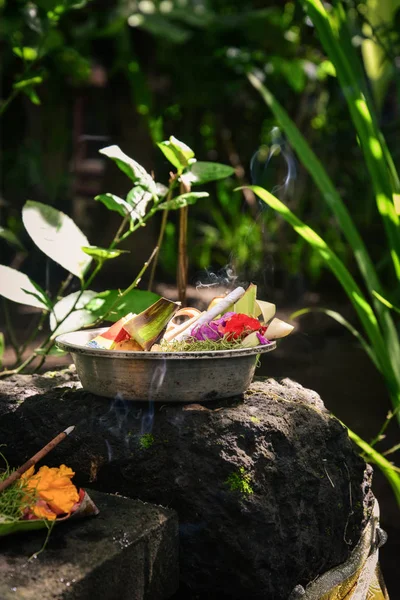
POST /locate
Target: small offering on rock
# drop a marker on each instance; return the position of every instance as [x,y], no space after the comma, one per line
[237,320]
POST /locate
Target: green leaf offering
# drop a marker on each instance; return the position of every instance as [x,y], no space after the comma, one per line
[204,172]
[57,236]
[80,317]
[182,200]
[120,305]
[17,286]
[146,327]
[178,153]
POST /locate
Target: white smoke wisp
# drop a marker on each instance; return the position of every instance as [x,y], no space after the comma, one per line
[225,277]
[114,423]
[261,160]
[156,383]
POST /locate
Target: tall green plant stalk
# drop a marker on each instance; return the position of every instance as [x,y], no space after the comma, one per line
[375,346]
[388,358]
[332,29]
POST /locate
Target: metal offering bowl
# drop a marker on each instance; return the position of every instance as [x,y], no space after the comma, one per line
[161,376]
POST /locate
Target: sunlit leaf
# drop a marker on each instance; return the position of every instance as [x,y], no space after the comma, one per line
[102,254]
[80,317]
[32,95]
[115,203]
[11,238]
[26,53]
[178,153]
[17,286]
[204,172]
[182,200]
[130,167]
[20,85]
[162,189]
[386,302]
[138,199]
[40,295]
[134,301]
[57,236]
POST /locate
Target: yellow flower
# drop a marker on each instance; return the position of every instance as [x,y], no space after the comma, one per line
[56,494]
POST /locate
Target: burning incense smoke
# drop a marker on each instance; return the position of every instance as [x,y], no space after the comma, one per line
[156,383]
[262,158]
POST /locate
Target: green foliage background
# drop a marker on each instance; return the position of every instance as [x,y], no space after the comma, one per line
[135,72]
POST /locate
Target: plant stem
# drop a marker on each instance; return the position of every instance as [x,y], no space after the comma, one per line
[182,248]
[132,286]
[7,102]
[382,430]
[160,239]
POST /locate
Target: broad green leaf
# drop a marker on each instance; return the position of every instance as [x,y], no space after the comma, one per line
[20,85]
[57,236]
[2,348]
[178,153]
[138,199]
[17,286]
[134,301]
[26,53]
[115,203]
[182,200]
[80,317]
[162,190]
[130,167]
[40,294]
[204,172]
[11,238]
[102,254]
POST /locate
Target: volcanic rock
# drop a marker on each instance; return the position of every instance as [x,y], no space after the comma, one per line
[268,488]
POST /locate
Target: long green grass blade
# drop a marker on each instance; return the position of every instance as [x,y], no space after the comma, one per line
[339,21]
[369,136]
[342,321]
[354,293]
[375,457]
[339,209]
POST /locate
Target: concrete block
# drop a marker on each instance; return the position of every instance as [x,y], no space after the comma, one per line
[128,552]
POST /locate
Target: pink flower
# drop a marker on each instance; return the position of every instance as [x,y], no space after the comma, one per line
[213,330]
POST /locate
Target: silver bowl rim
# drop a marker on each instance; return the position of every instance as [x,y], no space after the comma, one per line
[63,342]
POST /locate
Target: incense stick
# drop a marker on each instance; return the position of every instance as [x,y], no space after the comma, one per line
[38,456]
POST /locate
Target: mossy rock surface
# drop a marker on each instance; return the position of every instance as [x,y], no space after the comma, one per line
[268,487]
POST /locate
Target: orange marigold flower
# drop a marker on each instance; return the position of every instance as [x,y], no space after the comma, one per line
[56,494]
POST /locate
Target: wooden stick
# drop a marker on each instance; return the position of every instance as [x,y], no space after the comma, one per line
[38,456]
